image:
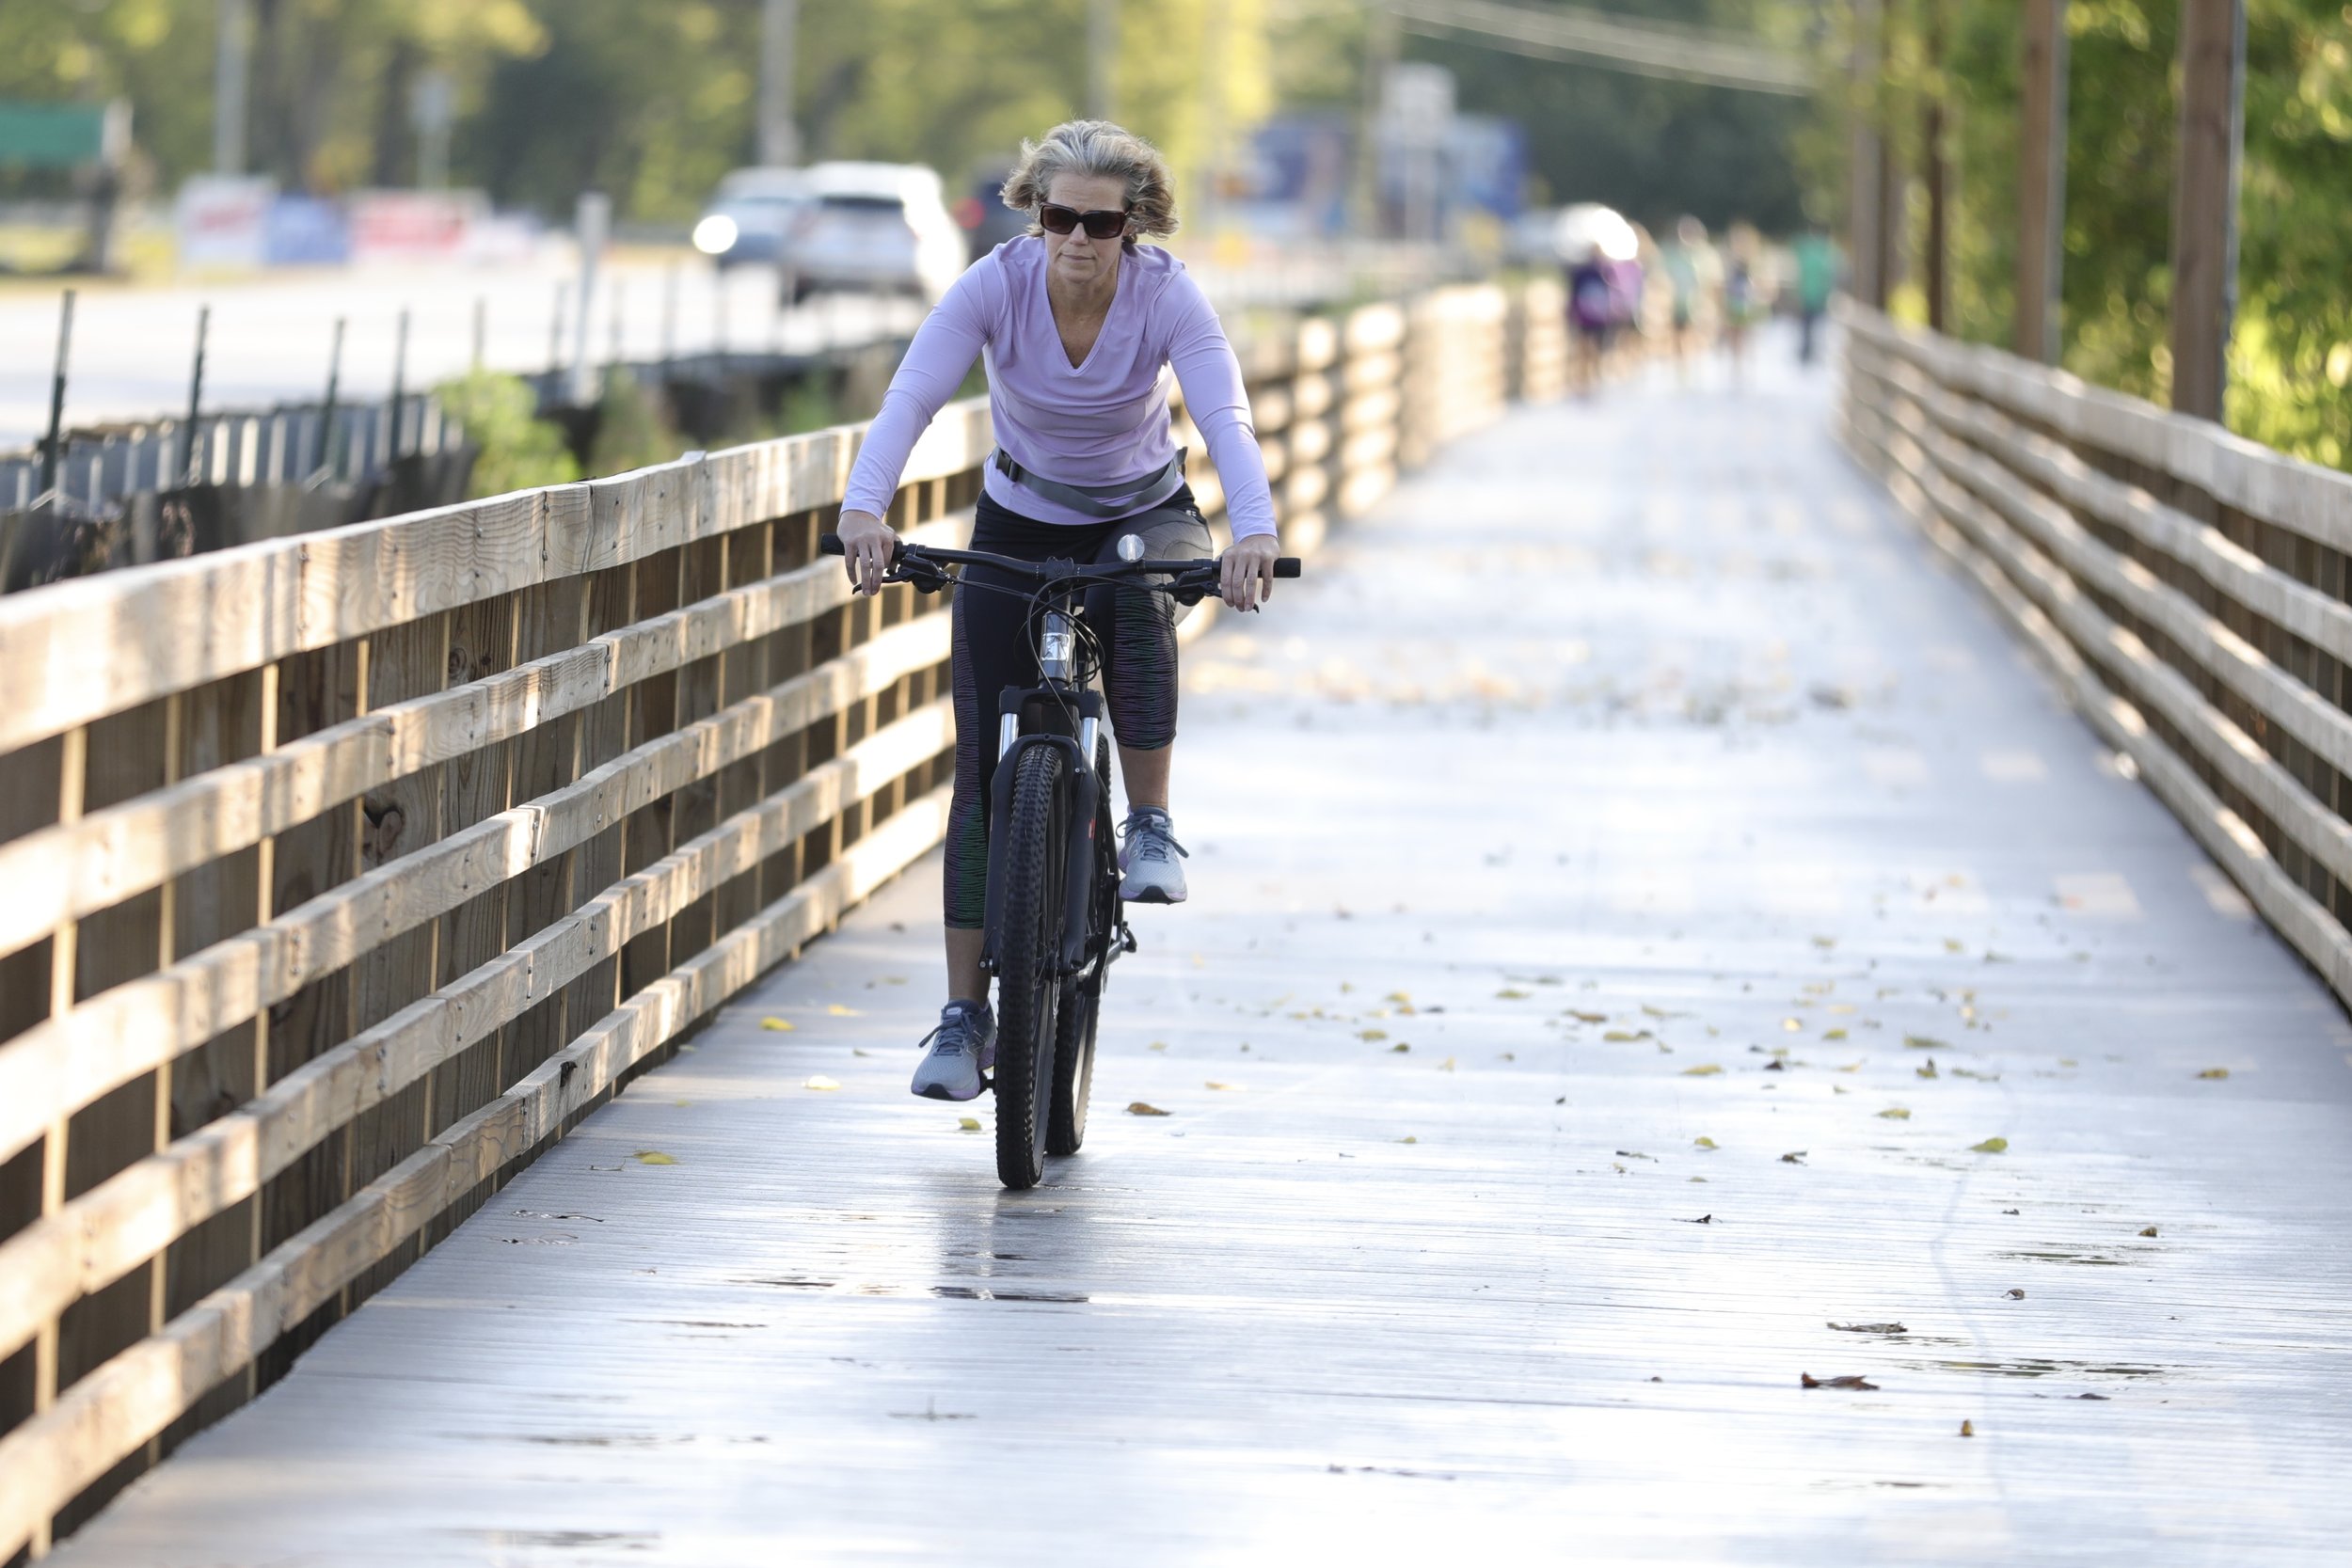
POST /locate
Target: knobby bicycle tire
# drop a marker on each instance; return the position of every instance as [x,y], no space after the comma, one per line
[1081,1003]
[1028,954]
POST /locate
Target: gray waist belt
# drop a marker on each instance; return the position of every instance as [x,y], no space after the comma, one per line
[1106,501]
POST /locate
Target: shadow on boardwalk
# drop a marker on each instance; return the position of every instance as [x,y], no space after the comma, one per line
[1634,886]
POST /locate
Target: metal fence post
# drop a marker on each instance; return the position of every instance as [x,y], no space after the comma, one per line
[189,448]
[51,450]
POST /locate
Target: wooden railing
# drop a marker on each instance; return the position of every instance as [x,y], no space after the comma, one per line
[346,872]
[2190,588]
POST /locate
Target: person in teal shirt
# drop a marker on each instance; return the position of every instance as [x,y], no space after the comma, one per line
[1816,276]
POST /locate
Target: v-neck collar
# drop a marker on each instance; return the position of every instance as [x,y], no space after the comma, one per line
[1118,293]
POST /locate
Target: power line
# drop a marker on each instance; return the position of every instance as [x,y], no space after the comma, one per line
[1646,49]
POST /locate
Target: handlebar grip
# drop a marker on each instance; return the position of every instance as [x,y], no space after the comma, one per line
[1286,566]
[830,544]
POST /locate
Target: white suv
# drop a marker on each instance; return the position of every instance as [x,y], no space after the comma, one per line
[871,229]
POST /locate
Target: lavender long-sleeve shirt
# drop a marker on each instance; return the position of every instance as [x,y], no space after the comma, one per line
[1101,422]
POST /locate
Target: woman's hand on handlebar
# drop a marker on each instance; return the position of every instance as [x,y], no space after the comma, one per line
[1245,574]
[867,546]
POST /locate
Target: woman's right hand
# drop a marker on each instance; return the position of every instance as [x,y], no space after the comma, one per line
[867,546]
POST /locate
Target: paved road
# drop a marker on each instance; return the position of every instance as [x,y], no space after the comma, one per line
[270,336]
[1632,881]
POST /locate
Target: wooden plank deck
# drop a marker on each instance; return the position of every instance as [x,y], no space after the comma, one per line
[1729,878]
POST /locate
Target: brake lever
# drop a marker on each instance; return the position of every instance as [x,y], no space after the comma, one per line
[924,576]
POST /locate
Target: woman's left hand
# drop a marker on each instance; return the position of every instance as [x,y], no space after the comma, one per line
[1247,577]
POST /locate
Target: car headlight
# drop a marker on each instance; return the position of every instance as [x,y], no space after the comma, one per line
[715,235]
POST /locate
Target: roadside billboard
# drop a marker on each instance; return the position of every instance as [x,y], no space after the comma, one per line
[223,220]
[414,225]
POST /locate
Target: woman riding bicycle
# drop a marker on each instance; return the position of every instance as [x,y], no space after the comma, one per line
[1077,324]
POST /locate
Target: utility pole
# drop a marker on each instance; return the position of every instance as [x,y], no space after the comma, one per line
[1380,48]
[2041,181]
[231,51]
[2204,201]
[1866,154]
[1103,59]
[779,28]
[1937,169]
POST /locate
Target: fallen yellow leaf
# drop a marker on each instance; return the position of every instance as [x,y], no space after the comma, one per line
[1702,1143]
[1896,1113]
[2215,1072]
[1626,1034]
[1706,1070]
[837,1010]
[1990,1145]
[1371,1034]
[1587,1018]
[968,1124]
[1408,1139]
[1446,1065]
[1511,993]
[1967,1428]
[1141,1109]
[820,1081]
[1402,998]
[652,1157]
[1233,1088]
[1401,1045]
[1834,1035]
[1157,1045]
[780,1026]
[1792,1025]
[1925,1042]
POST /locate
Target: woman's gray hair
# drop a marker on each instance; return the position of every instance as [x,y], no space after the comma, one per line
[1099,149]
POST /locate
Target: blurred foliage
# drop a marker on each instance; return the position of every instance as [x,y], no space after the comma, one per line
[1654,150]
[2290,350]
[515,448]
[655,102]
[631,432]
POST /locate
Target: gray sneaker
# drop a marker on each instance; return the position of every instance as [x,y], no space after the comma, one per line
[1148,859]
[962,1048]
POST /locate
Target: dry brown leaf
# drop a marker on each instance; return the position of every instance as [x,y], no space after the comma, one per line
[1806,1380]
[1139,1109]
[2016,1295]
[1870,1328]
[2149,1230]
[1967,1428]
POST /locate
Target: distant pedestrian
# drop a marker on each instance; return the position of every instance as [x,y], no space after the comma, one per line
[1817,277]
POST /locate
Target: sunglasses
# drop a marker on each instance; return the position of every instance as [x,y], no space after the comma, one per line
[1101,224]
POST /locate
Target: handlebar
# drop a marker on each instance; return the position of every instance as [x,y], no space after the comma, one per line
[830,544]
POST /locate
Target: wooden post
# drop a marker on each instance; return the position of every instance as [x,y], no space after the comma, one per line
[2204,201]
[1937,169]
[1867,156]
[2041,181]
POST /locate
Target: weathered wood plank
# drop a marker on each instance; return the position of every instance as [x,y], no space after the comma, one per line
[52,1457]
[135,1028]
[315,589]
[136,844]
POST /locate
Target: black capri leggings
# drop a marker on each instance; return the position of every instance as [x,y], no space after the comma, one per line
[995,647]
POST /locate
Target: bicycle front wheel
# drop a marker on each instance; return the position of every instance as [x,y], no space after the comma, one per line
[1028,963]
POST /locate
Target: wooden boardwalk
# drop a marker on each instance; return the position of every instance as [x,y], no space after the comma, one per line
[1637,892]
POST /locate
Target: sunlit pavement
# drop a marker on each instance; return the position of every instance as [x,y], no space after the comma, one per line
[271,336]
[1653,940]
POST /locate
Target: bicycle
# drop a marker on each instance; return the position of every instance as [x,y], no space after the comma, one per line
[1055,923]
